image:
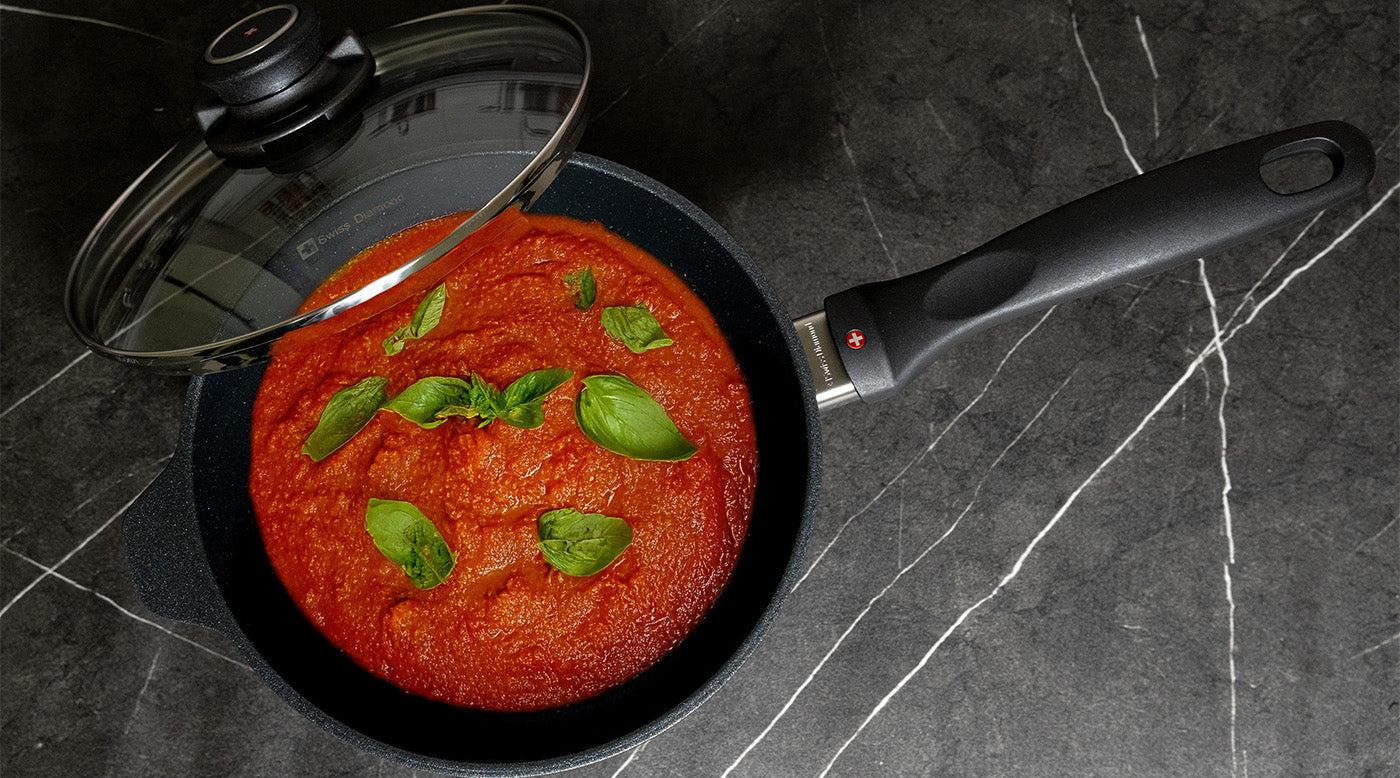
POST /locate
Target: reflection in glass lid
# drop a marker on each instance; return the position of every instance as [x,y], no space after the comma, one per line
[204,262]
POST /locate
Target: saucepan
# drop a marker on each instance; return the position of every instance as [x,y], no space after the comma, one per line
[193,543]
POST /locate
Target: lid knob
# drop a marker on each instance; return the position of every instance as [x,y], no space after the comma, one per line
[277,84]
[262,54]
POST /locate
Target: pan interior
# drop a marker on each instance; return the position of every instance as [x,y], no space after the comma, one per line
[325,684]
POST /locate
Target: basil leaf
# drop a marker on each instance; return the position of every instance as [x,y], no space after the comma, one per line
[486,399]
[425,318]
[583,286]
[581,544]
[635,327]
[424,401]
[534,386]
[622,418]
[430,401]
[410,540]
[468,411]
[526,417]
[346,413]
[522,403]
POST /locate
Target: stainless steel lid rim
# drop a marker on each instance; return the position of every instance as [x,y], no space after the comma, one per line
[254,345]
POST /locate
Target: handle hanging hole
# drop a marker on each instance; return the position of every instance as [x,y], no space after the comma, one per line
[1299,171]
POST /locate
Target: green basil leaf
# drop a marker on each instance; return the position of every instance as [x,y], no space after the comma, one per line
[410,540]
[534,386]
[425,318]
[430,401]
[581,544]
[635,327]
[469,411]
[486,399]
[423,402]
[522,403]
[526,417]
[346,413]
[622,418]
[583,286]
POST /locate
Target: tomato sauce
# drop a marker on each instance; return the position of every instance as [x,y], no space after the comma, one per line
[506,631]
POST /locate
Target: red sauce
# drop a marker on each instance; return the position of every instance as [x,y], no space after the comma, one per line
[506,631]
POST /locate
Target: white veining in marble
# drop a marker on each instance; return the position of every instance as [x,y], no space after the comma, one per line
[1156,77]
[933,444]
[47,570]
[136,707]
[1219,348]
[1306,266]
[846,145]
[655,65]
[865,202]
[631,755]
[938,122]
[51,571]
[1229,529]
[976,491]
[1217,345]
[41,387]
[1377,646]
[1373,538]
[1098,89]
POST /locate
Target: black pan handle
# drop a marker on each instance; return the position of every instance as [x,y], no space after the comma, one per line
[164,550]
[887,332]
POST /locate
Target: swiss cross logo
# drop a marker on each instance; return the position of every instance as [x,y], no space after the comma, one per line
[855,339]
[251,31]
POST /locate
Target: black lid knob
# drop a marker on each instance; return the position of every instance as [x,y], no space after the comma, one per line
[262,54]
[280,88]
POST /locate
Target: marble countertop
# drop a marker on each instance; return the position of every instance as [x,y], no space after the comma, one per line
[1148,533]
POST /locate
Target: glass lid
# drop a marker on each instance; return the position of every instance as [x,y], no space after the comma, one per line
[313,153]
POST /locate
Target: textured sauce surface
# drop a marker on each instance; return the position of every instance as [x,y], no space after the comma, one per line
[506,631]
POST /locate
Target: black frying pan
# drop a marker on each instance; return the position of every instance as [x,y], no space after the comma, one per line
[196,554]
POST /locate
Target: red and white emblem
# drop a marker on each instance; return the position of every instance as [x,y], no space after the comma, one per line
[855,339]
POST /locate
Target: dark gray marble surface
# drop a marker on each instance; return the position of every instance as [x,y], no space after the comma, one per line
[1086,543]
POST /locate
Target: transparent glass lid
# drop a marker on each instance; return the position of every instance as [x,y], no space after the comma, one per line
[205,262]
